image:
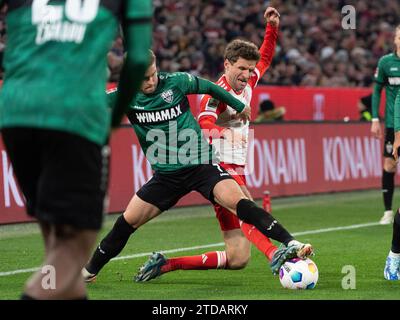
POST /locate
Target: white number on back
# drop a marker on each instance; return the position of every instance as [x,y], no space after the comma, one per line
[80,11]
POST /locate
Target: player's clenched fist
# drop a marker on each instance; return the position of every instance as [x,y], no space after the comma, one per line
[244,115]
[272,16]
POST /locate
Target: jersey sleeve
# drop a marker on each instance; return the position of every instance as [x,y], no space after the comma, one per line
[380,80]
[380,76]
[190,84]
[185,82]
[210,109]
[137,11]
[267,51]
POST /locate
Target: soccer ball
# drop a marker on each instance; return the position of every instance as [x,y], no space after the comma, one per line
[298,274]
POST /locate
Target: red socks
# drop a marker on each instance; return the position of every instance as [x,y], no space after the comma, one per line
[209,260]
[259,240]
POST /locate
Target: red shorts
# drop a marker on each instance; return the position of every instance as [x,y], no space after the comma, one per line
[227,220]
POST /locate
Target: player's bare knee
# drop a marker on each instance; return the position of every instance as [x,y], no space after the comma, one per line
[238,261]
[232,201]
[135,220]
[227,193]
[238,258]
[389,165]
[139,212]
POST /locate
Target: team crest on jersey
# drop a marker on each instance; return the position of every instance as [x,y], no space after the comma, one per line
[212,104]
[168,96]
[389,147]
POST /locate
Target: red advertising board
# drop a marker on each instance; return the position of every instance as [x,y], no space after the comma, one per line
[303,103]
[285,158]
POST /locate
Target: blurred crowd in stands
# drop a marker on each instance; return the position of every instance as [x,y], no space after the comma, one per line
[313,49]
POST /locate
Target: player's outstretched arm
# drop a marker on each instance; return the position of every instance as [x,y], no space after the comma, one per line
[138,35]
[267,49]
[207,87]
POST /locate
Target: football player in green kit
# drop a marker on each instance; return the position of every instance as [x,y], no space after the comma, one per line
[55,122]
[183,161]
[387,76]
[392,265]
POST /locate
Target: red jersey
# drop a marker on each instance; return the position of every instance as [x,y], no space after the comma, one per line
[215,115]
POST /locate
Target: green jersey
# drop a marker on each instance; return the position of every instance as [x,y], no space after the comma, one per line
[169,135]
[55,63]
[387,75]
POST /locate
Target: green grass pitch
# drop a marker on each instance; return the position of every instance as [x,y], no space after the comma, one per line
[342,228]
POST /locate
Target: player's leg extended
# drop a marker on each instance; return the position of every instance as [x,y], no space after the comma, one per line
[237,248]
[228,221]
[388,175]
[228,194]
[136,214]
[158,264]
[160,193]
[392,267]
[262,242]
[67,250]
[202,179]
[235,256]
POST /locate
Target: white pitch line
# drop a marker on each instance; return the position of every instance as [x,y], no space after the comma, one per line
[354,226]
[10,273]
[138,255]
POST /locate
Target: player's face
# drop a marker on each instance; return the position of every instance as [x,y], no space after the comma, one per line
[150,80]
[239,73]
[397,39]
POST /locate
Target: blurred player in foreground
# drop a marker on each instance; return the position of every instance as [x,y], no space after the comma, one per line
[244,66]
[387,76]
[56,134]
[163,122]
[392,267]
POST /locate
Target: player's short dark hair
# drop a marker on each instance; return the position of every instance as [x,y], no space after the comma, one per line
[241,49]
[152,57]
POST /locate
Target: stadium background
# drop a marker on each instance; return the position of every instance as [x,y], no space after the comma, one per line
[319,73]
